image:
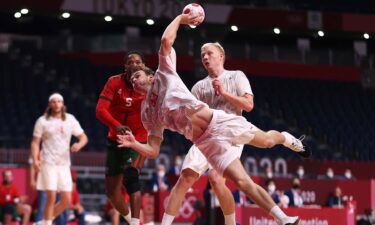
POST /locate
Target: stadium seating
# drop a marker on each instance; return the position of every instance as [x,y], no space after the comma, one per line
[315,108]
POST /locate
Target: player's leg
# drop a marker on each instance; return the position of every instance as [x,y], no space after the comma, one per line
[113,185]
[25,211]
[114,179]
[236,173]
[63,203]
[50,203]
[114,216]
[193,166]
[134,162]
[224,195]
[267,139]
[271,138]
[65,186]
[185,181]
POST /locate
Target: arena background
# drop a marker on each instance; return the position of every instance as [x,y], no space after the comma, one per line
[310,64]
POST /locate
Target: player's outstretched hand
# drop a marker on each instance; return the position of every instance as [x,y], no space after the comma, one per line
[126,140]
[188,18]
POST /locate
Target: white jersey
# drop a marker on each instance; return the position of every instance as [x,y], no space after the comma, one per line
[234,82]
[55,135]
[167,100]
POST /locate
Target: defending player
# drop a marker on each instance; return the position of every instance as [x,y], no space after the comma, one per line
[119,108]
[170,105]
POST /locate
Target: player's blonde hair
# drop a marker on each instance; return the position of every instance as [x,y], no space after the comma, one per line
[215,44]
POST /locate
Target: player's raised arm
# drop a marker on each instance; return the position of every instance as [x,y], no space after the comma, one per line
[170,33]
[150,150]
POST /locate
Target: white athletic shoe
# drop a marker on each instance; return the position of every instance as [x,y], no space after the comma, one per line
[293,143]
[289,221]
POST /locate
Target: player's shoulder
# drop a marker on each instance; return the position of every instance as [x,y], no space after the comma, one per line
[203,81]
[70,117]
[234,73]
[115,78]
[41,119]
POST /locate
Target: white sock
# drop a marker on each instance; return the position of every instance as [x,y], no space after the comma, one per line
[47,222]
[128,217]
[167,219]
[134,221]
[230,219]
[277,213]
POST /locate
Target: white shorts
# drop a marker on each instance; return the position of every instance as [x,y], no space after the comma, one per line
[54,178]
[196,161]
[224,135]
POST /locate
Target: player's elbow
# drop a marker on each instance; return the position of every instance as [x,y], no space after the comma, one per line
[166,41]
[98,112]
[249,107]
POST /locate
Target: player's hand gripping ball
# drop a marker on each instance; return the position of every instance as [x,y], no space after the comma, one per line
[195,11]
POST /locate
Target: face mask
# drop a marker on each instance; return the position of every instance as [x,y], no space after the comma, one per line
[269,175]
[271,188]
[300,172]
[161,173]
[348,175]
[178,162]
[329,174]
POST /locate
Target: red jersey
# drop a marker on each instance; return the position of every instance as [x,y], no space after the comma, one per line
[125,107]
[8,193]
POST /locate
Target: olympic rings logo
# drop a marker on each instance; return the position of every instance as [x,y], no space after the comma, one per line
[187,208]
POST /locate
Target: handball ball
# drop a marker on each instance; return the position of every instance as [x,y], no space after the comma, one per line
[194,9]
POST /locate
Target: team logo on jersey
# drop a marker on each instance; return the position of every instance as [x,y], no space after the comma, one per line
[61,130]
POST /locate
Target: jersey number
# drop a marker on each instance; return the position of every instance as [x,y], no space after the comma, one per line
[128,102]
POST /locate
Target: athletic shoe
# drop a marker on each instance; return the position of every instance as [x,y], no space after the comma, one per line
[290,221]
[296,145]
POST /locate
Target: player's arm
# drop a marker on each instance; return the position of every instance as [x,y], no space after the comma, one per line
[82,141]
[35,148]
[150,150]
[170,33]
[244,99]
[245,102]
[104,103]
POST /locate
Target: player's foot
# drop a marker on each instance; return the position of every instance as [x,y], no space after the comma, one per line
[289,221]
[296,144]
[306,153]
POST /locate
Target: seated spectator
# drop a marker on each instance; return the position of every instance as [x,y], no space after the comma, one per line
[336,199]
[329,174]
[11,203]
[348,175]
[176,169]
[271,188]
[300,173]
[294,193]
[160,181]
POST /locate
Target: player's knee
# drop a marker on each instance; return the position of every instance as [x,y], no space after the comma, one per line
[188,179]
[243,183]
[269,142]
[216,180]
[131,180]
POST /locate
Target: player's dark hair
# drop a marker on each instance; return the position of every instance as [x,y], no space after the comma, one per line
[145,69]
[132,53]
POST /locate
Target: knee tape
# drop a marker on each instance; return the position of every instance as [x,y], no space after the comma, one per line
[131,180]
